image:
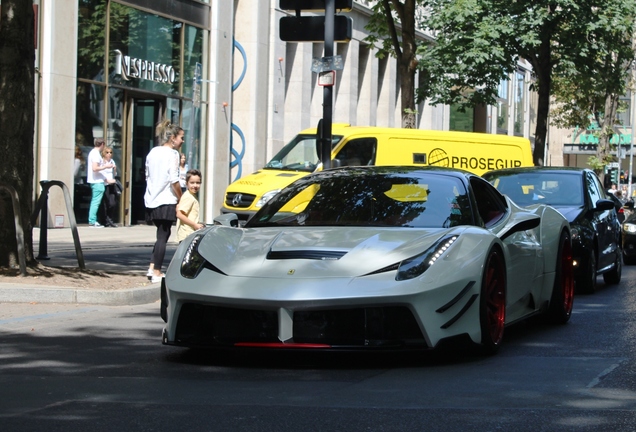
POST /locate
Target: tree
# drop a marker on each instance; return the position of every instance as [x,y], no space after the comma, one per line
[393,25]
[17,118]
[588,92]
[479,41]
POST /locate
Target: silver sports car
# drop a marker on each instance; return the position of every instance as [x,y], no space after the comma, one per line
[370,258]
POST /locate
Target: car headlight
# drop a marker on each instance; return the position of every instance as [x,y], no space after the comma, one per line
[266,197]
[415,266]
[192,262]
[629,228]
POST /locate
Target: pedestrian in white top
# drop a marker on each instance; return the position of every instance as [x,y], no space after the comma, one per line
[162,191]
[97,180]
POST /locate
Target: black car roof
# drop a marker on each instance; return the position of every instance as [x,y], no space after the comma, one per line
[539,169]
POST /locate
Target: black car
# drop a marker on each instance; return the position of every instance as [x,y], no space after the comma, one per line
[579,195]
[618,205]
[629,236]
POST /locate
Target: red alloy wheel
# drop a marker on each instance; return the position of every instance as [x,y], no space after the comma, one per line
[494,306]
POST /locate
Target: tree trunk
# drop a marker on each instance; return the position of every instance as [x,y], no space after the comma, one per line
[544,84]
[407,88]
[606,125]
[405,52]
[17,107]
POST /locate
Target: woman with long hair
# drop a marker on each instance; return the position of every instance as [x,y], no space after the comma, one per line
[162,191]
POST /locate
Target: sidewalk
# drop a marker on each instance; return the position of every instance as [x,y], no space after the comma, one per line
[123,251]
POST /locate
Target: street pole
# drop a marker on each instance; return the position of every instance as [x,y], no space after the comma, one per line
[631,141]
[327,104]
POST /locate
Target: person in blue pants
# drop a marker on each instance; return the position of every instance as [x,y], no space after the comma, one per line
[97,180]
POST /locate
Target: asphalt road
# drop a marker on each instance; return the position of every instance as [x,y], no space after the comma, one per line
[100,368]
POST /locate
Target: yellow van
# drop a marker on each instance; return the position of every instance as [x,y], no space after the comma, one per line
[366,145]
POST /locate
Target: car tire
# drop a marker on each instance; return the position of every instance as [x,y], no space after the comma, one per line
[629,260]
[562,298]
[586,283]
[613,277]
[492,302]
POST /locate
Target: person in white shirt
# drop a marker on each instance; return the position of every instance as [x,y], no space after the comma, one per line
[163,191]
[97,180]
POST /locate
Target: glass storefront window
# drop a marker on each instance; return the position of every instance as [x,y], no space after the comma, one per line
[195,44]
[193,127]
[89,113]
[114,126]
[144,50]
[91,39]
[88,126]
[520,102]
[462,120]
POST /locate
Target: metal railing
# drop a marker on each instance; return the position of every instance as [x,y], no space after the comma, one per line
[42,206]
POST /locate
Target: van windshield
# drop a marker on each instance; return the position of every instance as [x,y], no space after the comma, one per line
[300,154]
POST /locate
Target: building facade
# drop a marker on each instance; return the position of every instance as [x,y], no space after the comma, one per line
[113,68]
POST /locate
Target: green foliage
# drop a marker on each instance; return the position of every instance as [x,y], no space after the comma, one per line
[592,81]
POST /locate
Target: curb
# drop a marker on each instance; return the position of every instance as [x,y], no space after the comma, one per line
[10,293]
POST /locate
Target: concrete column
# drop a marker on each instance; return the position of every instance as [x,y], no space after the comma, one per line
[249,110]
[367,87]
[58,79]
[345,107]
[278,61]
[299,88]
[217,155]
[387,92]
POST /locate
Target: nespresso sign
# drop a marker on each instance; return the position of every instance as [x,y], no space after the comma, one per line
[134,68]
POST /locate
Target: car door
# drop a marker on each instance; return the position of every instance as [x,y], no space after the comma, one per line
[605,222]
[523,250]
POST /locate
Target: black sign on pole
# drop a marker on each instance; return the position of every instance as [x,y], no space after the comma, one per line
[312,28]
[315,5]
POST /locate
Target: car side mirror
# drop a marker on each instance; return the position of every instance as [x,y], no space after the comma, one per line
[228,219]
[604,204]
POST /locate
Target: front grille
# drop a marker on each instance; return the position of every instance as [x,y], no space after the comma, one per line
[243,200]
[392,326]
[201,325]
[379,327]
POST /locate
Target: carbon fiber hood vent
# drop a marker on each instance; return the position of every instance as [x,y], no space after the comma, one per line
[323,255]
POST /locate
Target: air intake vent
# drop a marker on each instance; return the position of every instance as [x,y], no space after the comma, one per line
[306,254]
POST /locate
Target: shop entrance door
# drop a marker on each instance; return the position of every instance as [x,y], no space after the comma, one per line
[145,113]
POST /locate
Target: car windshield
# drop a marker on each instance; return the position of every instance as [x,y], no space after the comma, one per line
[359,198]
[300,154]
[553,188]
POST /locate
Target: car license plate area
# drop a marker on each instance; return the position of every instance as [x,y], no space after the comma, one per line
[391,326]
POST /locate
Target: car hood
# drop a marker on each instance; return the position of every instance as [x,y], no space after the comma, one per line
[571,213]
[313,251]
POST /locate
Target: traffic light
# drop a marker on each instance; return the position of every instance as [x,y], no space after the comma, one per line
[614,175]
